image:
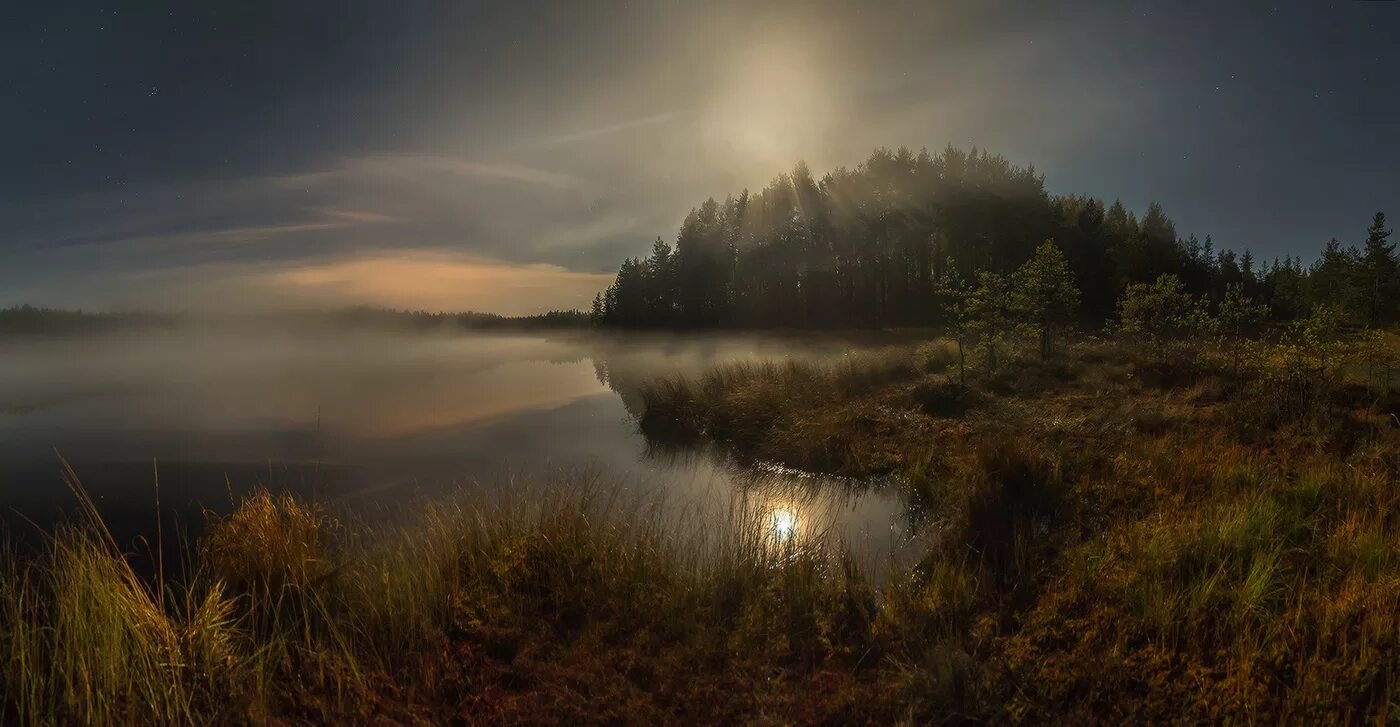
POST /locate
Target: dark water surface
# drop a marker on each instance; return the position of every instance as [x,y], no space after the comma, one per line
[369,419]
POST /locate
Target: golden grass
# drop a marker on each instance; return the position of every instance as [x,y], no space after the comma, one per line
[291,611]
[1124,534]
[1104,543]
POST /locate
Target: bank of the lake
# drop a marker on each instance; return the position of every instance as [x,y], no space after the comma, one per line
[1119,532]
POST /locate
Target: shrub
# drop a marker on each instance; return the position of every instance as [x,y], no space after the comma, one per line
[270,544]
[942,397]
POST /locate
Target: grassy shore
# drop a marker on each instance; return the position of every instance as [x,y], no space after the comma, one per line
[571,603]
[1120,533]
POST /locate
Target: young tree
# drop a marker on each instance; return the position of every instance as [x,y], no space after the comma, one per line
[1044,292]
[1161,311]
[1239,318]
[953,293]
[990,313]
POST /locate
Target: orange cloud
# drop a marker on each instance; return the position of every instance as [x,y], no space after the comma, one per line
[438,281]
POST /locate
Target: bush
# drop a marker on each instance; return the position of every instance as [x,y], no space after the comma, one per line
[270,544]
[942,397]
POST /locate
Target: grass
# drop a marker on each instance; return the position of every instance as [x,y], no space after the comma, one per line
[1117,533]
[1106,538]
[789,412]
[578,603]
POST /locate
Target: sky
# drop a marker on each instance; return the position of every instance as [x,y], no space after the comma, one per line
[506,156]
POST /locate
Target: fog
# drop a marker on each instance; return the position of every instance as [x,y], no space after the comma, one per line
[369,417]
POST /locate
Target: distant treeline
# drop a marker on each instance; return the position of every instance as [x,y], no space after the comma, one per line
[471,320]
[868,247]
[31,320]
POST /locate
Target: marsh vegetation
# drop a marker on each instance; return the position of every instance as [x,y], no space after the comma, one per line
[1161,490]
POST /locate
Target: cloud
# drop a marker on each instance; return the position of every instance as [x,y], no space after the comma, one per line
[416,278]
[372,219]
[271,230]
[417,169]
[586,134]
[436,280]
[360,216]
[573,172]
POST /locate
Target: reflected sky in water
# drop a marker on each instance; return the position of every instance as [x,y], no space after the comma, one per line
[370,418]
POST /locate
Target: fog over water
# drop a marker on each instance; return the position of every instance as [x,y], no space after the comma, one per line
[371,418]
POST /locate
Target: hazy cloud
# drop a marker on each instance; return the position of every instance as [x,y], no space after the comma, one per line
[566,136]
[585,134]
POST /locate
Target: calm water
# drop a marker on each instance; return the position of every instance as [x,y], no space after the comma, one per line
[371,418]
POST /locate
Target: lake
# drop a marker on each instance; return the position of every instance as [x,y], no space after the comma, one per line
[367,419]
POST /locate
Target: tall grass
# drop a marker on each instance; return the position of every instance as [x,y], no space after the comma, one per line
[289,610]
[1117,534]
[808,415]
[1101,545]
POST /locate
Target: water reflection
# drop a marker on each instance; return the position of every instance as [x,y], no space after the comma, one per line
[375,417]
[784,524]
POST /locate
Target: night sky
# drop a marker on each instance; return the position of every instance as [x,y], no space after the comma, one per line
[505,156]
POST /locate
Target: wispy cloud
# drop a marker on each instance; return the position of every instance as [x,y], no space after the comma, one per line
[593,133]
[361,216]
[427,169]
[386,229]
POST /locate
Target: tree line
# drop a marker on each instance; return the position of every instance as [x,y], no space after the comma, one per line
[29,320]
[886,243]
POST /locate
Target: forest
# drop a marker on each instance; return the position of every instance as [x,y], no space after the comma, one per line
[894,241]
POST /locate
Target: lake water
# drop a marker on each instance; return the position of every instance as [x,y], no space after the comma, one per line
[369,418]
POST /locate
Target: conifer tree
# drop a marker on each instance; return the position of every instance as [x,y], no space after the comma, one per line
[1044,292]
[954,295]
[1378,277]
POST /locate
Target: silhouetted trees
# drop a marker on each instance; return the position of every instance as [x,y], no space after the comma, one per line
[29,320]
[1379,280]
[876,246]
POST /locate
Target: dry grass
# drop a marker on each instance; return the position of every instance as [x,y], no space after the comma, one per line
[291,614]
[270,544]
[1126,534]
[1106,542]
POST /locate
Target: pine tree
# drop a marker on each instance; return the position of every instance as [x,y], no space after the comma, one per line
[954,295]
[1044,292]
[1161,311]
[1239,318]
[1333,278]
[1378,276]
[990,313]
